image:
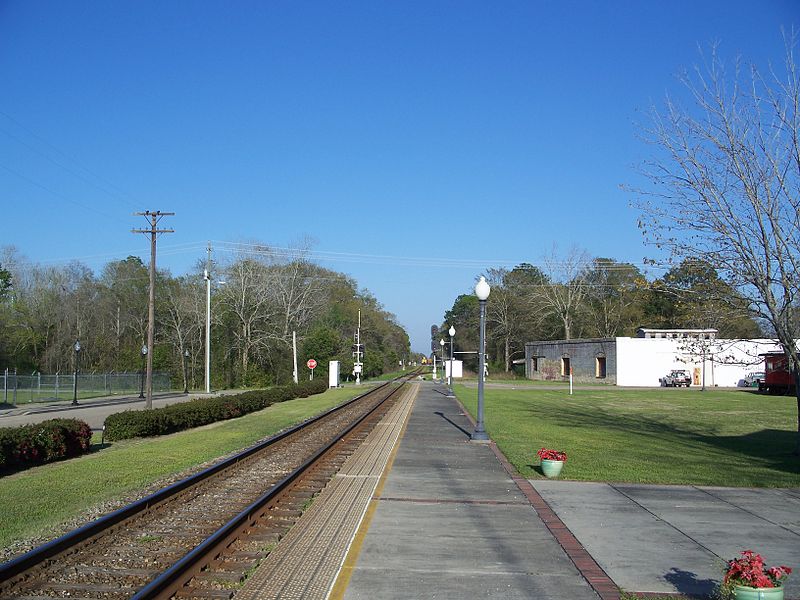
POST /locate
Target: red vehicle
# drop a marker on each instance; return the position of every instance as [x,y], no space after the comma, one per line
[778,376]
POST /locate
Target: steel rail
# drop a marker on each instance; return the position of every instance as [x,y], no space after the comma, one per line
[70,540]
[164,586]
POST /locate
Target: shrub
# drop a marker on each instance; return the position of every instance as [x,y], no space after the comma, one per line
[186,415]
[22,447]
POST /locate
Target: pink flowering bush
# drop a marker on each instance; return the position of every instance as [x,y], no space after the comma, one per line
[749,571]
[546,454]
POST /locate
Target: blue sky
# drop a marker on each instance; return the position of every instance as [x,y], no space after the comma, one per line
[416,143]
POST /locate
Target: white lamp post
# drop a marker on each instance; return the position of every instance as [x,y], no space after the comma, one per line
[452,332]
[482,290]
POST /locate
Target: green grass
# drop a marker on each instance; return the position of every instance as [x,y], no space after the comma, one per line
[716,437]
[37,500]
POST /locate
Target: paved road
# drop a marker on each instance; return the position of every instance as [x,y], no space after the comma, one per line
[93,410]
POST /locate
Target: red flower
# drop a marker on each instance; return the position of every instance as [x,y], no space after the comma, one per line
[749,571]
[546,454]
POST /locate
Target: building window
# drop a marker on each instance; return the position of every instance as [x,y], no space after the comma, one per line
[600,367]
[534,364]
[565,368]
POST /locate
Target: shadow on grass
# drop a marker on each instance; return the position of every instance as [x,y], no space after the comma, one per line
[773,448]
[536,469]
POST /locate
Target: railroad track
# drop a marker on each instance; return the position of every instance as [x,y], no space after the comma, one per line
[200,537]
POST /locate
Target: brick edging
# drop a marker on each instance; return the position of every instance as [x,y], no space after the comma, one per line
[593,573]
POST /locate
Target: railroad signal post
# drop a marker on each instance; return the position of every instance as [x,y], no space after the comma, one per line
[358,353]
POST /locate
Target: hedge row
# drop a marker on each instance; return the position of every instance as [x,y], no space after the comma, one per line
[22,447]
[185,415]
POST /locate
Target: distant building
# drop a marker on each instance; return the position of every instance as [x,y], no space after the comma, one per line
[696,334]
[588,359]
[641,361]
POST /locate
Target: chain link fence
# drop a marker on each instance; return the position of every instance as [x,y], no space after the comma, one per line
[22,389]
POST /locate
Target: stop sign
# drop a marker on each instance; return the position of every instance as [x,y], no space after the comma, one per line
[311,364]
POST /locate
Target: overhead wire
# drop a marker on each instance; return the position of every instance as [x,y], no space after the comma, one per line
[113,191]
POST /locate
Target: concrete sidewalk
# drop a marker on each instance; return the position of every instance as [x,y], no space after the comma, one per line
[659,538]
[451,522]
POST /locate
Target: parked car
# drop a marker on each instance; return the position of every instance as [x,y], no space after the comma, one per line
[755,379]
[676,378]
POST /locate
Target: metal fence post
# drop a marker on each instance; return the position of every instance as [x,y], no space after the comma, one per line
[15,386]
[5,386]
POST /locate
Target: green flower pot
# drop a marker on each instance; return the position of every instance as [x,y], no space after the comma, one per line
[552,468]
[741,592]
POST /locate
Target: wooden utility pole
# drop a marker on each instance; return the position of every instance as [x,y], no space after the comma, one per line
[154,217]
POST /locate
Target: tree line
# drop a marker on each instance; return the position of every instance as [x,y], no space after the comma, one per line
[259,299]
[575,296]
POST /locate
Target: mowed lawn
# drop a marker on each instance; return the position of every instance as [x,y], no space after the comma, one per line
[39,499]
[668,436]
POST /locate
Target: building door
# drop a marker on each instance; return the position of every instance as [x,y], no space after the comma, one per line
[600,367]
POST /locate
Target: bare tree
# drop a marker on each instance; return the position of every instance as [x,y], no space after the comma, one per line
[565,294]
[183,318]
[613,291]
[298,295]
[726,185]
[248,295]
[500,311]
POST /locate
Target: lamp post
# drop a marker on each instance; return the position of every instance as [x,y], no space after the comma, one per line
[77,348]
[141,379]
[185,373]
[452,332]
[441,343]
[482,290]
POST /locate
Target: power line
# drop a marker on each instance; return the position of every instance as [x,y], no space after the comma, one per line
[118,192]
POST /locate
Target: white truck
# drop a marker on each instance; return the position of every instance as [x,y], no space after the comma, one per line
[676,378]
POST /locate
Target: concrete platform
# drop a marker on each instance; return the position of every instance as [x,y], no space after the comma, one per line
[668,539]
[451,523]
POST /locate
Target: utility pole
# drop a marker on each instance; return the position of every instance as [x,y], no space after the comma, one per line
[207,277]
[154,217]
[294,354]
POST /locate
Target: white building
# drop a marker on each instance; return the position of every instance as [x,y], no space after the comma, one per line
[722,363]
[643,360]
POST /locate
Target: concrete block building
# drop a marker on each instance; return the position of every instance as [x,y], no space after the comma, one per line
[641,361]
[591,360]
